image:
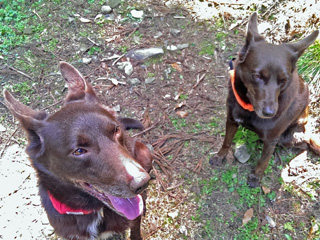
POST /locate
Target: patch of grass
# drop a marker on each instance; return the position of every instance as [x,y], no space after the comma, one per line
[94,50]
[247,232]
[18,24]
[245,136]
[178,123]
[23,89]
[206,48]
[308,63]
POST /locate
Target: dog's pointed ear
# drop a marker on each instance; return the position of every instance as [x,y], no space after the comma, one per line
[299,47]
[129,123]
[252,37]
[78,87]
[31,121]
[253,28]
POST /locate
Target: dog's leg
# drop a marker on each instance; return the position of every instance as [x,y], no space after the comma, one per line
[267,151]
[135,231]
[231,129]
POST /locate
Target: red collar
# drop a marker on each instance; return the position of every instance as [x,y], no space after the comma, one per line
[64,209]
[243,104]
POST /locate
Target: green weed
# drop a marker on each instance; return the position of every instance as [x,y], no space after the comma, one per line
[206,48]
[245,136]
[308,63]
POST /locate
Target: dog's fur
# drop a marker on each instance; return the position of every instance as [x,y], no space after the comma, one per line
[266,77]
[83,157]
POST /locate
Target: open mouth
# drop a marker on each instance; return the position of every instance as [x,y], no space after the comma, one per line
[131,208]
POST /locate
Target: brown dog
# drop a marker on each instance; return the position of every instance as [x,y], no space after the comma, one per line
[267,96]
[91,174]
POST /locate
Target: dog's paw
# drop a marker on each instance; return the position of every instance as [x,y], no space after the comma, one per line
[253,180]
[216,160]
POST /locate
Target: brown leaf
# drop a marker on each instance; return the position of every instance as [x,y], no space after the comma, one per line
[182,114]
[266,190]
[247,216]
[176,66]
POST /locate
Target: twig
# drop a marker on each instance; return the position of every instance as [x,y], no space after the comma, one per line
[93,41]
[118,59]
[146,130]
[199,79]
[8,141]
[18,71]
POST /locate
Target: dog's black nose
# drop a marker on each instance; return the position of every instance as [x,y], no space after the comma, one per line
[268,112]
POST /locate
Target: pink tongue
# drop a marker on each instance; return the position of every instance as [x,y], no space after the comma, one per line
[130,207]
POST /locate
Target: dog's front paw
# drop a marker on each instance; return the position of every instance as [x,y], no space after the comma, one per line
[216,160]
[253,180]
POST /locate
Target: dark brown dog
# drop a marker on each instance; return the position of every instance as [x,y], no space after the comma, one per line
[269,98]
[91,174]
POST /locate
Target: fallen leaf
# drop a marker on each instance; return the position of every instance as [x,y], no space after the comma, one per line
[182,114]
[176,66]
[180,105]
[266,190]
[247,216]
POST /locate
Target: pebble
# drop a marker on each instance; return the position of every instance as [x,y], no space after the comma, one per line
[2,128]
[241,153]
[126,66]
[106,9]
[172,48]
[86,60]
[137,14]
[272,223]
[149,80]
[175,32]
[116,108]
[140,54]
[134,81]
[182,46]
[158,35]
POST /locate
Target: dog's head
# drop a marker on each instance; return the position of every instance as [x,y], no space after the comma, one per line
[265,70]
[84,143]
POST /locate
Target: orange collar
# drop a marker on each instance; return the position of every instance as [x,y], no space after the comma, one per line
[246,106]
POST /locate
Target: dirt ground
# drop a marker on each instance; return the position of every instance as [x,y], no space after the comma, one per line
[182,109]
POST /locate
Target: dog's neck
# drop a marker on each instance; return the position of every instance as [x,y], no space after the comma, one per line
[64,209]
[242,103]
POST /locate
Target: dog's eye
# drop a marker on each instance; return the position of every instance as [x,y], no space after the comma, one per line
[282,81]
[117,130]
[79,151]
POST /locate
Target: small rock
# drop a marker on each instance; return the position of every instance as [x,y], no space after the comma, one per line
[137,14]
[182,46]
[86,60]
[2,128]
[134,81]
[174,214]
[167,96]
[172,48]
[140,54]
[241,153]
[158,35]
[175,32]
[272,223]
[83,47]
[110,17]
[126,66]
[106,9]
[183,230]
[167,72]
[116,108]
[149,80]
[113,3]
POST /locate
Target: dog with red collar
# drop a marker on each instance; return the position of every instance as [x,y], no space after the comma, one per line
[92,176]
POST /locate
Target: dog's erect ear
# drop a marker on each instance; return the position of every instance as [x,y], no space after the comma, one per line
[251,37]
[299,47]
[129,123]
[253,28]
[78,87]
[32,121]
